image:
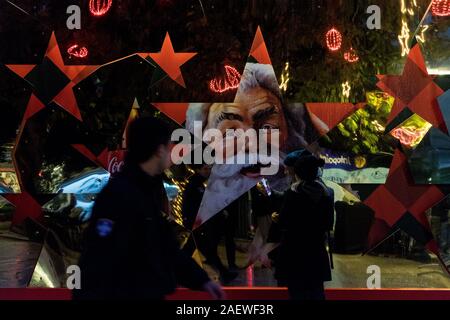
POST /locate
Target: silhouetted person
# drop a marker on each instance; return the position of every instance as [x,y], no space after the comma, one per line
[193,194]
[206,238]
[192,198]
[130,249]
[307,215]
[231,213]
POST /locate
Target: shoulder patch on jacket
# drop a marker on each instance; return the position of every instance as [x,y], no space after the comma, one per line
[104,227]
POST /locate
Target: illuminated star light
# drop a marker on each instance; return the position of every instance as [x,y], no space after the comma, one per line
[285,78]
[403,38]
[421,37]
[346,88]
[406,10]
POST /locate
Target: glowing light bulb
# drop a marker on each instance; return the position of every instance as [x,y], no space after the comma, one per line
[333,39]
[440,8]
[285,78]
[230,82]
[346,89]
[77,51]
[351,56]
[99,7]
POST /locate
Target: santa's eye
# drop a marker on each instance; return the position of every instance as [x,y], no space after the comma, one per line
[268,126]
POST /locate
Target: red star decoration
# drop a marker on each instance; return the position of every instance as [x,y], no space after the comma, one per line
[415,89]
[65,98]
[26,207]
[330,114]
[259,49]
[399,197]
[176,111]
[170,62]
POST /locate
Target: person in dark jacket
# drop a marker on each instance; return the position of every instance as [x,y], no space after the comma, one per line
[193,194]
[192,198]
[206,238]
[130,250]
[278,198]
[305,218]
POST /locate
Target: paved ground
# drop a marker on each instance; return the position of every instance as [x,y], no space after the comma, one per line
[351,272]
[18,257]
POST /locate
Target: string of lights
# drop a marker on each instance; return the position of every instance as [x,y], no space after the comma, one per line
[333,39]
[99,7]
[77,51]
[440,8]
[230,82]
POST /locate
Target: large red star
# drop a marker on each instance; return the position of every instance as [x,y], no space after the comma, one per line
[326,116]
[259,49]
[64,97]
[400,197]
[170,62]
[26,207]
[415,89]
[176,111]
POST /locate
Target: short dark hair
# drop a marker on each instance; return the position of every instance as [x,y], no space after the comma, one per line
[144,136]
[307,167]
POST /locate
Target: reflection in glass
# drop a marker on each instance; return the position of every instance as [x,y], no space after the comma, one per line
[8,178]
[433,35]
[6,213]
[356,150]
[411,131]
[90,181]
[430,161]
[440,226]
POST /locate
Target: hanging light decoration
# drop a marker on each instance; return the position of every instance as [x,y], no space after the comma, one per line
[285,78]
[351,56]
[421,35]
[230,82]
[440,8]
[346,89]
[99,7]
[403,38]
[77,51]
[404,8]
[333,39]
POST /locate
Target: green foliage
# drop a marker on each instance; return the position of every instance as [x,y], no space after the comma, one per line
[363,131]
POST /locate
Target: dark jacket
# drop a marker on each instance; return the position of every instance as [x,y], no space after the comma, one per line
[130,249]
[192,198]
[306,216]
[261,204]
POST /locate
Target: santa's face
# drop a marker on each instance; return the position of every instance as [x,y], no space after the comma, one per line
[257,109]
